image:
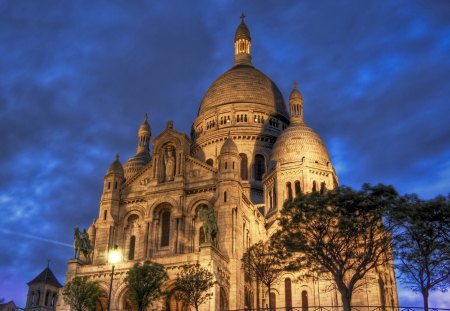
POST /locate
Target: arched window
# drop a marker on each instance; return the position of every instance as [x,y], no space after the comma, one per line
[210,162]
[314,186]
[115,185]
[273,301]
[165,228]
[259,167]
[47,294]
[53,302]
[323,187]
[132,247]
[304,300]
[109,185]
[288,294]
[105,213]
[226,165]
[33,298]
[297,188]
[289,191]
[244,166]
[38,298]
[224,196]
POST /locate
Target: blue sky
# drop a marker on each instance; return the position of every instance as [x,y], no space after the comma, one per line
[76,78]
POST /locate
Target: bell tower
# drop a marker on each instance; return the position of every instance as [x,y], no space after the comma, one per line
[242,44]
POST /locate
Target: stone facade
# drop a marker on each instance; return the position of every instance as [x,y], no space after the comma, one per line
[245,157]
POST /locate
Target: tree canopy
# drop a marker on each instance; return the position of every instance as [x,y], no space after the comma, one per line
[144,283]
[423,244]
[81,294]
[339,233]
[192,285]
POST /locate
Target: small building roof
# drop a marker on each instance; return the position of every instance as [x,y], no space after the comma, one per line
[46,276]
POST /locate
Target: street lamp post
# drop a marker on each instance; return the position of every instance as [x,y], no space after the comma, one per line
[114,256]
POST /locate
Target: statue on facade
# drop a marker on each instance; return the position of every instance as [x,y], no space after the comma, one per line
[82,245]
[210,228]
[169,162]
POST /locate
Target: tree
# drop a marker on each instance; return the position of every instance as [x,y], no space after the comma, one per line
[144,283]
[263,263]
[81,294]
[339,233]
[423,244]
[192,285]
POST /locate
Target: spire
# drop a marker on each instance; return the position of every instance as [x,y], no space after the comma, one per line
[296,104]
[242,44]
[144,135]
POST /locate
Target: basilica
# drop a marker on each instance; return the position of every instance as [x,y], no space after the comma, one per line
[247,154]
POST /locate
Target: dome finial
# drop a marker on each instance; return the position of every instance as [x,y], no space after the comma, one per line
[242,44]
[117,156]
[146,117]
[296,104]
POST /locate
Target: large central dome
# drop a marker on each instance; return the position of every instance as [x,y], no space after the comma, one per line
[244,84]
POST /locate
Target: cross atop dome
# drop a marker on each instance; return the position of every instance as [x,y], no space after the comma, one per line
[242,17]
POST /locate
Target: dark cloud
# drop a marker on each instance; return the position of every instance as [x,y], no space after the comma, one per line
[77,77]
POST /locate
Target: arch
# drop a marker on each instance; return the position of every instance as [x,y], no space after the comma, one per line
[259,167]
[132,247]
[273,301]
[288,294]
[323,187]
[223,299]
[165,228]
[314,186]
[289,191]
[297,187]
[195,205]
[305,304]
[244,166]
[132,219]
[165,202]
[138,210]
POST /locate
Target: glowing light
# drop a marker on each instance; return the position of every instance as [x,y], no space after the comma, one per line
[114,256]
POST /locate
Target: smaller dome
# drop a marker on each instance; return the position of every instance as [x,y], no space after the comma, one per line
[136,163]
[229,146]
[242,31]
[295,94]
[299,141]
[115,167]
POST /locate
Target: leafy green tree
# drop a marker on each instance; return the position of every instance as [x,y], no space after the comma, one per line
[192,285]
[81,294]
[264,263]
[144,283]
[423,244]
[339,233]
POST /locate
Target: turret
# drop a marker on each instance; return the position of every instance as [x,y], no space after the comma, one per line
[242,44]
[142,157]
[296,105]
[229,160]
[113,180]
[43,291]
[144,135]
